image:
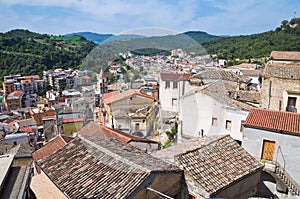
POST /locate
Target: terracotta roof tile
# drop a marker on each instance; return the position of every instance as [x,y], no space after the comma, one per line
[286,55]
[243,65]
[72,120]
[96,130]
[15,94]
[174,76]
[250,72]
[278,121]
[284,71]
[117,95]
[52,146]
[27,129]
[219,164]
[32,77]
[220,91]
[100,168]
[203,76]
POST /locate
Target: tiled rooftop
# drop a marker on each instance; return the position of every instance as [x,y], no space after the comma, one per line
[174,77]
[15,94]
[243,65]
[284,71]
[219,164]
[116,96]
[72,120]
[96,130]
[279,121]
[179,148]
[286,55]
[246,96]
[100,168]
[52,146]
[220,91]
[27,129]
[250,72]
[218,75]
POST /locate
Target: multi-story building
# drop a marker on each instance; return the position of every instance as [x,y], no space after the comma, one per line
[281,82]
[14,100]
[27,84]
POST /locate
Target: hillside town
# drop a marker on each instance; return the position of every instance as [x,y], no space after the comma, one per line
[162,126]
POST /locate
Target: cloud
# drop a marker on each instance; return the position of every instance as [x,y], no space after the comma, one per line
[215,16]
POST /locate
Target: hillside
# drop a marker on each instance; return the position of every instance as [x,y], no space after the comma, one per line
[286,37]
[200,36]
[100,38]
[94,37]
[24,52]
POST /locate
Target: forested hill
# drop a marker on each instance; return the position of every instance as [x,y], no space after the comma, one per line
[24,52]
[286,37]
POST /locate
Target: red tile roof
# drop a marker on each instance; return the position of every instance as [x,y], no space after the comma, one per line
[25,80]
[278,121]
[117,95]
[96,130]
[174,77]
[286,55]
[52,146]
[16,94]
[32,77]
[27,129]
[72,120]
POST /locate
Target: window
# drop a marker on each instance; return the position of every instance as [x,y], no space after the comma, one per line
[167,84]
[228,125]
[214,122]
[242,126]
[291,104]
[137,127]
[175,84]
[174,101]
[280,104]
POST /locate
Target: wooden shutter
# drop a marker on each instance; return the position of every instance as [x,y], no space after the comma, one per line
[268,150]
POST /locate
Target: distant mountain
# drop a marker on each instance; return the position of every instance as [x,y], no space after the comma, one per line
[125,37]
[200,36]
[100,38]
[94,37]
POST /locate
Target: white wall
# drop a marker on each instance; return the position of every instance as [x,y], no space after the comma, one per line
[289,145]
[166,94]
[197,111]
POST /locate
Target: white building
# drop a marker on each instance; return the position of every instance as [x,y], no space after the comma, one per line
[274,137]
[208,110]
[171,87]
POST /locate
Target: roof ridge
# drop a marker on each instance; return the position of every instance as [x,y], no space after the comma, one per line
[204,145]
[118,157]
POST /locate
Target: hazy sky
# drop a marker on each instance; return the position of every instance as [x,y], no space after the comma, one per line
[227,17]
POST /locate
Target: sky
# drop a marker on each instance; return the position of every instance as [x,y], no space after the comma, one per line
[218,17]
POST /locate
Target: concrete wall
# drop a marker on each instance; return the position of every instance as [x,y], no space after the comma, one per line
[72,127]
[289,145]
[242,189]
[197,111]
[279,88]
[169,183]
[167,94]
